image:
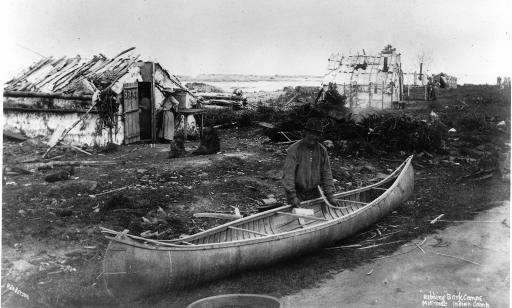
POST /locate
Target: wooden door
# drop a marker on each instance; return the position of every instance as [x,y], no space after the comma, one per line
[131,113]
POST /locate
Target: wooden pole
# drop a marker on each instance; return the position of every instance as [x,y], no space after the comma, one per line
[95,100]
[370,94]
[69,129]
[153,103]
[382,100]
[46,95]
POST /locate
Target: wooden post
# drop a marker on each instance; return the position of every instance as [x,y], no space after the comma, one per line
[370,95]
[153,106]
[382,101]
[185,127]
[350,93]
[202,123]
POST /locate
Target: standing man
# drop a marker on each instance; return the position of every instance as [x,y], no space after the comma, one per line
[307,166]
[430,89]
[168,108]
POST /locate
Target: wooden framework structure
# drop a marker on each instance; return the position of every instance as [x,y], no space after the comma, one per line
[368,81]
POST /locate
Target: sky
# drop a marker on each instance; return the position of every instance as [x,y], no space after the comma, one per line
[469,39]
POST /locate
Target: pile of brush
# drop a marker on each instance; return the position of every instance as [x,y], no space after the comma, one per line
[386,132]
[373,134]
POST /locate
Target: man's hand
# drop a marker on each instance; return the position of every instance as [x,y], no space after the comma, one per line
[295,202]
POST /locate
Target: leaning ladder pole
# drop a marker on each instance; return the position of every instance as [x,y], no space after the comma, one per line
[94,102]
[65,132]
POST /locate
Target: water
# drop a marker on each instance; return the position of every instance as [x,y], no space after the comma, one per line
[264,85]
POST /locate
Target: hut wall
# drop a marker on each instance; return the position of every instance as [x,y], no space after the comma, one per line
[46,103]
[34,117]
[369,82]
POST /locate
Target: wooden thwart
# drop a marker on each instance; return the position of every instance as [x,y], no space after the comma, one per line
[250,231]
[303,216]
[358,202]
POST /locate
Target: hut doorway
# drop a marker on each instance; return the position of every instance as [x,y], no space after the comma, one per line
[145,107]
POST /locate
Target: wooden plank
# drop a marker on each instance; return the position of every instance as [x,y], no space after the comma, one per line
[379,188]
[261,227]
[353,201]
[153,105]
[218,216]
[86,97]
[303,216]
[248,231]
[131,119]
[255,225]
[266,225]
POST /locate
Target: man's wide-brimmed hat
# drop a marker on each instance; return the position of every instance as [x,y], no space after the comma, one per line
[314,125]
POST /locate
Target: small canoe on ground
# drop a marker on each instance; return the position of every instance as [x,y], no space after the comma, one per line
[136,266]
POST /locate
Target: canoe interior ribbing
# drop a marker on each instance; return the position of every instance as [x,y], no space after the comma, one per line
[279,223]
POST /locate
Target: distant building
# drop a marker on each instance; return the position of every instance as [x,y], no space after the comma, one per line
[446,81]
[368,81]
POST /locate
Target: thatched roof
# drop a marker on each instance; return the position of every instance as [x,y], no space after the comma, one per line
[363,69]
[77,75]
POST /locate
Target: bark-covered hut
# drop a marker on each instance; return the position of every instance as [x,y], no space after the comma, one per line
[368,81]
[53,93]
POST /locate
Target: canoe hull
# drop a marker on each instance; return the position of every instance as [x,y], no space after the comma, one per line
[132,269]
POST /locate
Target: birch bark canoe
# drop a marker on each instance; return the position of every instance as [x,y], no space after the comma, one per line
[134,267]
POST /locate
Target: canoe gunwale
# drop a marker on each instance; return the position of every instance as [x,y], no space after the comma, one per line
[125,238]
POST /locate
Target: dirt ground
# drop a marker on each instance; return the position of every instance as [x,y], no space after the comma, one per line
[52,247]
[421,277]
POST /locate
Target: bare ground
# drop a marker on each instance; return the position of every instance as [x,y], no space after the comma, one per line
[465,264]
[52,248]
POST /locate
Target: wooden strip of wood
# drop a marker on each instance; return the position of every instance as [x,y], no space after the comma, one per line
[248,231]
[353,201]
[215,237]
[245,227]
[291,226]
[303,216]
[338,213]
[261,227]
[326,212]
[333,213]
[250,226]
[271,225]
[379,188]
[242,235]
[266,225]
[229,235]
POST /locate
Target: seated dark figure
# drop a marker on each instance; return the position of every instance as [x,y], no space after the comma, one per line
[210,142]
[177,147]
